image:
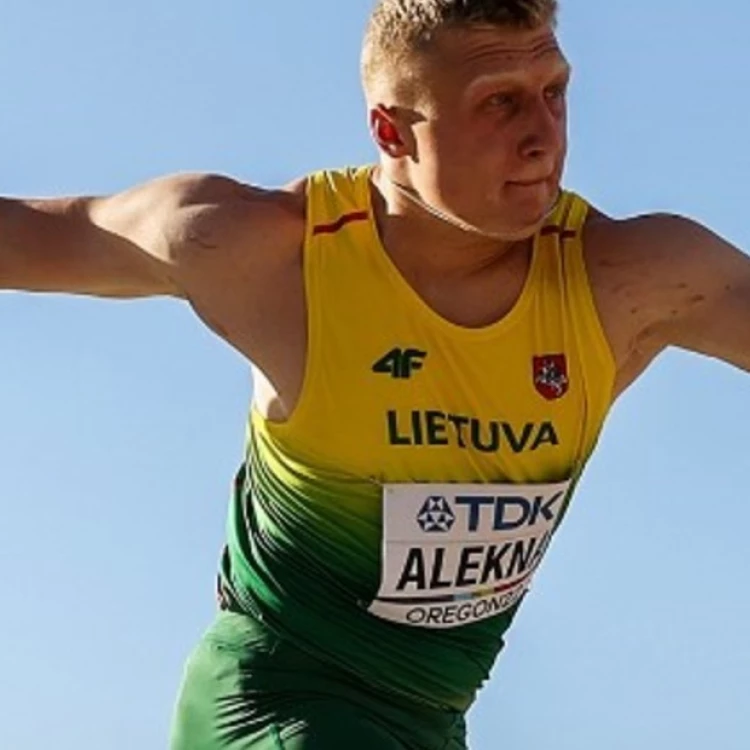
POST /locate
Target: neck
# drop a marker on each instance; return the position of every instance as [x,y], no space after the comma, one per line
[431,238]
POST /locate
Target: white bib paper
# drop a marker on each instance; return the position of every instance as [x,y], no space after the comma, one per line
[454,554]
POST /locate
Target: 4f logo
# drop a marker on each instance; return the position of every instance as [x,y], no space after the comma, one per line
[400,363]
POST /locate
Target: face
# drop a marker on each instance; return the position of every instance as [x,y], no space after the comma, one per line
[491,143]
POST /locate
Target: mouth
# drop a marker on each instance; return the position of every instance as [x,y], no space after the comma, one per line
[529,183]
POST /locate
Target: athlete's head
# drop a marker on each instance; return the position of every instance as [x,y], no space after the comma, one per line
[467,106]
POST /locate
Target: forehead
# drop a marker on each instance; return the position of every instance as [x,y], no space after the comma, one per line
[490,50]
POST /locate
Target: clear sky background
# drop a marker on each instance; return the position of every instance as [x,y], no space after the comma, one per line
[122,422]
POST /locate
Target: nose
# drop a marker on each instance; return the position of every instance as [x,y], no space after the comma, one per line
[543,132]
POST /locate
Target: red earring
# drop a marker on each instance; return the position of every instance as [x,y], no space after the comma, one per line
[388,133]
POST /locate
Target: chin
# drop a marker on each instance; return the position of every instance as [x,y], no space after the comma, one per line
[525,214]
[519,224]
[520,231]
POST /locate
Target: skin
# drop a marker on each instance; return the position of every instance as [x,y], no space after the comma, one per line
[489,137]
[493,117]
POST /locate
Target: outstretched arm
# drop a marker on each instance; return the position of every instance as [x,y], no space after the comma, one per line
[712,313]
[673,283]
[133,244]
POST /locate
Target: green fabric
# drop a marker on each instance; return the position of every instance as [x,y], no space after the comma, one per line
[247,689]
[303,553]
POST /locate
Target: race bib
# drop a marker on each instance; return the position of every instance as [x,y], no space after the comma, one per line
[458,553]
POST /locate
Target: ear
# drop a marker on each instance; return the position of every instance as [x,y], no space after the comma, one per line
[385,132]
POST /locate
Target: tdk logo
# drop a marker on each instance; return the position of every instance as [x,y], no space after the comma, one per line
[436,515]
[508,512]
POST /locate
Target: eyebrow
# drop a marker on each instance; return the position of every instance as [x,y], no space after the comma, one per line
[564,69]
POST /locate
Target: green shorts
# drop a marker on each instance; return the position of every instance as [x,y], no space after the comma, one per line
[246,689]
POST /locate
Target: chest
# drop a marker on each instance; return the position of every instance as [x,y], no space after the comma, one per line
[395,396]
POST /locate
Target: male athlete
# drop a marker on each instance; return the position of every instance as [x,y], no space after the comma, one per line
[436,341]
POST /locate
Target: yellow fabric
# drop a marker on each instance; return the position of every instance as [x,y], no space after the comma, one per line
[473,387]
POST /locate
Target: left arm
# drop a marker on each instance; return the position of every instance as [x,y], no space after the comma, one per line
[704,304]
[664,280]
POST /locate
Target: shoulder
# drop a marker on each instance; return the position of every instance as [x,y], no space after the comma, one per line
[222,223]
[218,211]
[661,258]
[652,238]
[661,279]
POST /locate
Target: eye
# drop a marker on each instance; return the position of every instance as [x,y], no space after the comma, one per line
[557,91]
[501,99]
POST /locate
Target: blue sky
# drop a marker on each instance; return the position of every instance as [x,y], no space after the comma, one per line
[122,422]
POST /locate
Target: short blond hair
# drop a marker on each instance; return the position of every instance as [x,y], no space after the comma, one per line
[398,29]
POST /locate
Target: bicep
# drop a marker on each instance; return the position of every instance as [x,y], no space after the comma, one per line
[125,245]
[152,232]
[707,306]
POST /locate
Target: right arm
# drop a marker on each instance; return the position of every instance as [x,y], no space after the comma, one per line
[141,242]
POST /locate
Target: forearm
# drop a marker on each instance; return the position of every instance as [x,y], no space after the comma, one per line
[33,238]
[52,245]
